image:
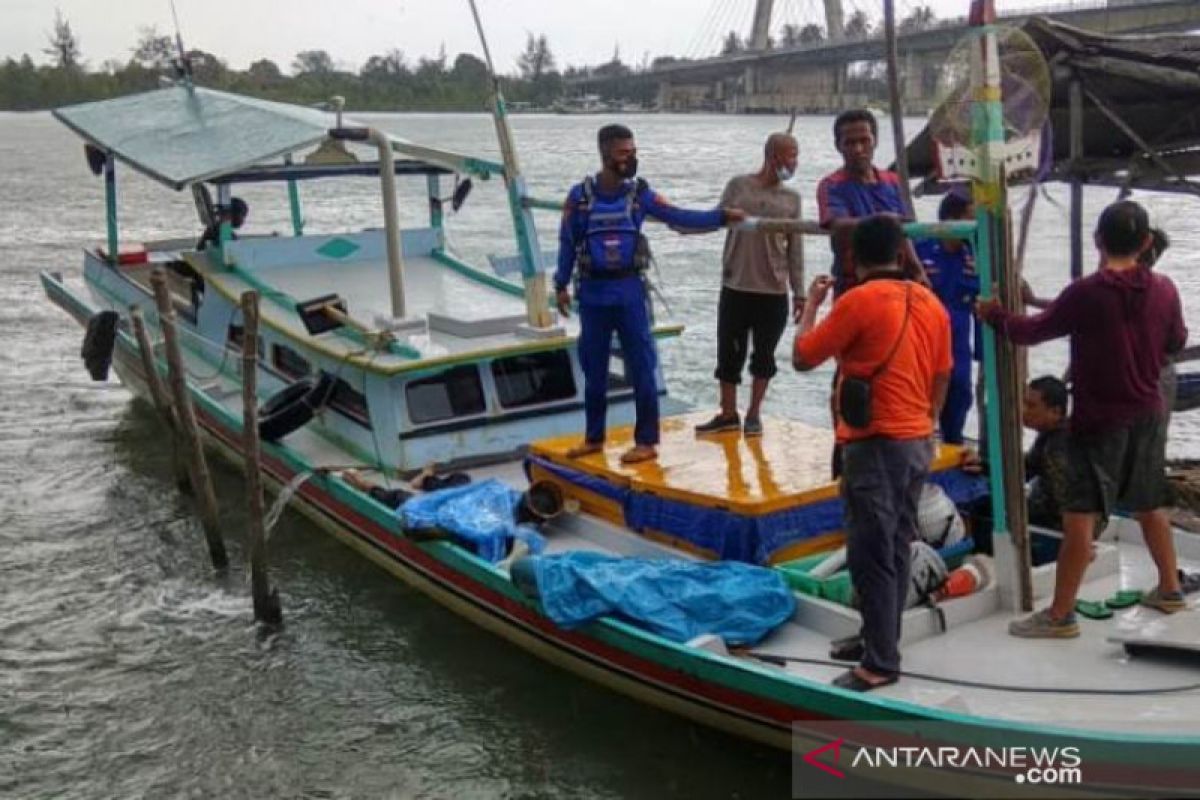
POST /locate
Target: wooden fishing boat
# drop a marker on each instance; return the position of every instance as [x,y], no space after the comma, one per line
[433,359]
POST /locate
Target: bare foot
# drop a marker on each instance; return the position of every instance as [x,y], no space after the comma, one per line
[639,453]
[585,449]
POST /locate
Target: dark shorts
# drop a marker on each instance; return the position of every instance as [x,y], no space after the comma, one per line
[1122,468]
[745,318]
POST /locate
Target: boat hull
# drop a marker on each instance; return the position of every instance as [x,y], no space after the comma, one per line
[742,697]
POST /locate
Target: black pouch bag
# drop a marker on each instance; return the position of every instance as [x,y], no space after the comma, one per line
[854,394]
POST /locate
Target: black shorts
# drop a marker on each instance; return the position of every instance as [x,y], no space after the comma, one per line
[744,318]
[1122,468]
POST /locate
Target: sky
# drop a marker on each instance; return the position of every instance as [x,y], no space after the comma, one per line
[580,32]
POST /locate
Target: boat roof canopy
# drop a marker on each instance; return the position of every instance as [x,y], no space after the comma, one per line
[180,135]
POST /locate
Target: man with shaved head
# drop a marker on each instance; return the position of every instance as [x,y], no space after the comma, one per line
[758,269]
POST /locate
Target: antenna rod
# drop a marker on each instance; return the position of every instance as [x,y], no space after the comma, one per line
[537,312]
[185,66]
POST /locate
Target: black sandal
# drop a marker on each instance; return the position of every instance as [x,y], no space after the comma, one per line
[851,681]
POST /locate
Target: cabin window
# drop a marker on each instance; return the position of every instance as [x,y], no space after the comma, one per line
[237,335]
[457,392]
[289,362]
[350,402]
[534,378]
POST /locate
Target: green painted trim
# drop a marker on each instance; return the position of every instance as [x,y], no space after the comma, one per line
[294,201]
[433,185]
[110,208]
[482,168]
[465,269]
[286,301]
[545,205]
[941,230]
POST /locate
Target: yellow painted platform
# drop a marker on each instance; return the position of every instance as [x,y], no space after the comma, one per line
[787,466]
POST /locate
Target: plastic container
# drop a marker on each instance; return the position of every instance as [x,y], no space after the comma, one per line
[837,588]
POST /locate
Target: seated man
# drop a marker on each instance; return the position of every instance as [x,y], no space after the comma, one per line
[1044,412]
[235,215]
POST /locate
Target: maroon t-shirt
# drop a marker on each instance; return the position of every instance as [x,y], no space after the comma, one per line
[1123,325]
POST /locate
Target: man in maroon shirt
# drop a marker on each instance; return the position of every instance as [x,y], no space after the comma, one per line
[1123,321]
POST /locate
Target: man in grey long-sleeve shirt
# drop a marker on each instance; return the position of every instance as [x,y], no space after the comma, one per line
[1123,321]
[757,270]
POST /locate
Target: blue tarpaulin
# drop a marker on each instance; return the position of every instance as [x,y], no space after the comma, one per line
[679,600]
[480,515]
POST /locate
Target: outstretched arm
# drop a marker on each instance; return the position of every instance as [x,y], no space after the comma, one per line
[686,220]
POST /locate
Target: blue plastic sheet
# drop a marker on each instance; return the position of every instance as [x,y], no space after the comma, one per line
[480,515]
[676,599]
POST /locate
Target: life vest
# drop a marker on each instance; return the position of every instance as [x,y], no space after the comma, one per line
[612,245]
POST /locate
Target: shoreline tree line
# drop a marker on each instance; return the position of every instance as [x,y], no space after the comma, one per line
[389,81]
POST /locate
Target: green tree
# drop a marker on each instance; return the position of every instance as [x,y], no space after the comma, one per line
[812,34]
[153,51]
[732,44]
[536,60]
[919,19]
[64,47]
[858,26]
[312,62]
[789,35]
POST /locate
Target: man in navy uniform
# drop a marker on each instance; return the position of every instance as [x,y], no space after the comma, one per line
[950,267]
[601,239]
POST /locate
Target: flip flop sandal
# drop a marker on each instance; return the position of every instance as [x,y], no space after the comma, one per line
[1124,599]
[847,649]
[850,680]
[1092,609]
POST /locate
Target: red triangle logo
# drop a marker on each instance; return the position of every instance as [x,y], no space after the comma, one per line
[810,757]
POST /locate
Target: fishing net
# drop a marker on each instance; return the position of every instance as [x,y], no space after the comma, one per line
[1024,83]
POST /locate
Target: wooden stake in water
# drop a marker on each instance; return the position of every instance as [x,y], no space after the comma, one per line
[158,394]
[266,599]
[188,429]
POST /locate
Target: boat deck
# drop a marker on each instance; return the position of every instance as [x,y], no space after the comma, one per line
[975,648]
[786,467]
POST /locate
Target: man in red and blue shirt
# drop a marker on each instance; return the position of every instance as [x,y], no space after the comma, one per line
[856,191]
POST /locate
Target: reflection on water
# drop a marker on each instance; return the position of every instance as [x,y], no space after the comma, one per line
[129,670]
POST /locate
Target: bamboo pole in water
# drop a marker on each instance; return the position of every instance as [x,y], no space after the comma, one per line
[159,394]
[188,428]
[266,599]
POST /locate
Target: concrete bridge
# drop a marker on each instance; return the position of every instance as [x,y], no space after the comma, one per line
[822,77]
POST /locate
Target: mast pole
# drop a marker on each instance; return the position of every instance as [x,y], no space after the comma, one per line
[1001,368]
[537,308]
[895,108]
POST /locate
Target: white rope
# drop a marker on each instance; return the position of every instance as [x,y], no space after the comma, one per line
[285,496]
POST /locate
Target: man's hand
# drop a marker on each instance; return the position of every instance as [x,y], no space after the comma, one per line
[818,290]
[563,298]
[798,302]
[985,308]
[733,216]
[971,463]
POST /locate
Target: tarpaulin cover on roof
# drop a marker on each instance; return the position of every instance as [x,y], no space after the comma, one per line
[180,135]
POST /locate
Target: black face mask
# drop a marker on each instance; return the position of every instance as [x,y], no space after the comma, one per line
[630,168]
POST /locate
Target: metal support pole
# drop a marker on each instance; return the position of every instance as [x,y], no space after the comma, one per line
[110,206]
[1075,98]
[896,108]
[294,201]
